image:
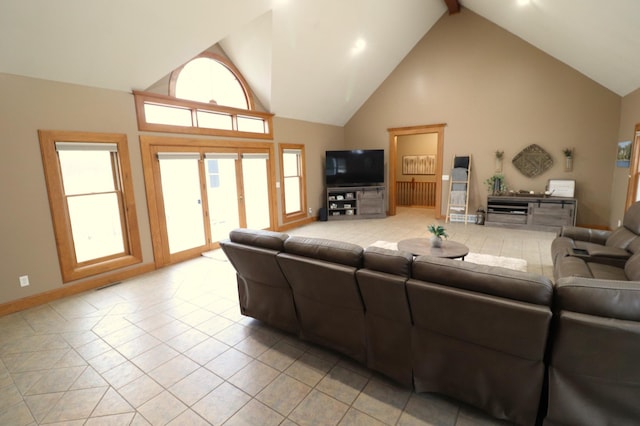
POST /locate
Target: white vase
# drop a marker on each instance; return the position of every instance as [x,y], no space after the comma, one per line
[436,242]
[498,165]
[568,164]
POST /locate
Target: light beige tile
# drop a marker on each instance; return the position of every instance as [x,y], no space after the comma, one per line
[195,386]
[309,369]
[358,418]
[207,350]
[214,325]
[382,401]
[140,391]
[112,420]
[75,405]
[154,357]
[55,380]
[162,408]
[187,340]
[342,384]
[228,363]
[221,403]
[188,418]
[173,370]
[280,356]
[16,415]
[123,335]
[255,413]
[318,408]
[106,361]
[88,379]
[283,394]
[112,403]
[253,377]
[429,409]
[122,374]
[138,346]
[32,361]
[9,395]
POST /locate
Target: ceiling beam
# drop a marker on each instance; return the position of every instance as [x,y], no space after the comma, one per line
[453,6]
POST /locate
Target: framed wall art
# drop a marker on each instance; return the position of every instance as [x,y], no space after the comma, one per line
[419,165]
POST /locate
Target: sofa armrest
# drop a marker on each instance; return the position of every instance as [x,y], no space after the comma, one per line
[597,236]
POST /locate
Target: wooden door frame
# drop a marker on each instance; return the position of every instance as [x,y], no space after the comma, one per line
[632,186]
[393,160]
[153,188]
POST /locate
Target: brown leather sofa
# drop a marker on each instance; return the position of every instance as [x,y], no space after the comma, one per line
[594,373]
[472,332]
[594,253]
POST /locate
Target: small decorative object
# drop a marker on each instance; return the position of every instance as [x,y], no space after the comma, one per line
[495,184]
[480,216]
[568,159]
[498,160]
[438,232]
[532,161]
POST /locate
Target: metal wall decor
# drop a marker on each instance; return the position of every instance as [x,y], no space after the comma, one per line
[532,161]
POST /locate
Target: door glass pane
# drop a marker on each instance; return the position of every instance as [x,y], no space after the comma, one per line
[256,192]
[222,194]
[95,226]
[182,203]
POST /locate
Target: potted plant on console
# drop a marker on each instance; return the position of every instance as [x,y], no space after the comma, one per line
[438,232]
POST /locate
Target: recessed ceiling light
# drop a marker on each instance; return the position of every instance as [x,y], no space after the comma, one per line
[359,46]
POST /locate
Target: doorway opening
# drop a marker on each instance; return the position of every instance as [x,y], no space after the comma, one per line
[395,163]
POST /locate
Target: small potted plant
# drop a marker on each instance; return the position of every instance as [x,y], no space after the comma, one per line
[568,159]
[495,184]
[438,233]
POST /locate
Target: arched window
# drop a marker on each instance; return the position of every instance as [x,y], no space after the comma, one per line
[210,78]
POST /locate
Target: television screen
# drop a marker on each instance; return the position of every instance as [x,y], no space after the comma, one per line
[356,167]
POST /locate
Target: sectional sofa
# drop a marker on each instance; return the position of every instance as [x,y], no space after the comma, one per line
[594,367]
[473,332]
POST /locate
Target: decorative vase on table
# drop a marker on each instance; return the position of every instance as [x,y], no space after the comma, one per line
[436,242]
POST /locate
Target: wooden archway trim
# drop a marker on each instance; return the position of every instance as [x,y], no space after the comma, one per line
[393,158]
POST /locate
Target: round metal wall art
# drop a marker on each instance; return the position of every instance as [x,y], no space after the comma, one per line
[532,161]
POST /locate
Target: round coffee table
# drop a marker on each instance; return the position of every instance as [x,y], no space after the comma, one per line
[422,246]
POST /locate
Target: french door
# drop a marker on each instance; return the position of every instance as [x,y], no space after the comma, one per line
[199,193]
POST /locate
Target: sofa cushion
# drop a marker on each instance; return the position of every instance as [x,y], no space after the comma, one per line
[603,271]
[259,238]
[327,250]
[492,280]
[389,261]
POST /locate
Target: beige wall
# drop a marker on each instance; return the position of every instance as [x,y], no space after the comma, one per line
[629,117]
[496,92]
[26,105]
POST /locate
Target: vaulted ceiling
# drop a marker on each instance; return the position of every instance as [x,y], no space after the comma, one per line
[310,60]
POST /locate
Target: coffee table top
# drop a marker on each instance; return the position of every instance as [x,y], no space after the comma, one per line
[422,246]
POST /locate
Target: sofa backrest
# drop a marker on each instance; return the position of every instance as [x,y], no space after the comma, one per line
[263,291]
[479,333]
[387,317]
[631,219]
[322,275]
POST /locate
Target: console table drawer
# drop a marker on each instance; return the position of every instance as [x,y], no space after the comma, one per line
[507,218]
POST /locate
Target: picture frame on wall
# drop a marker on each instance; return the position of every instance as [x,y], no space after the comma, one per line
[419,164]
[623,156]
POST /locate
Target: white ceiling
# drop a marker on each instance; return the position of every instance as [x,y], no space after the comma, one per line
[297,55]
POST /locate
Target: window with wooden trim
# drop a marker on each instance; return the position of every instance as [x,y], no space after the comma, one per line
[88,178]
[294,197]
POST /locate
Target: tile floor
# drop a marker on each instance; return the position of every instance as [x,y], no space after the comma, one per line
[170,347]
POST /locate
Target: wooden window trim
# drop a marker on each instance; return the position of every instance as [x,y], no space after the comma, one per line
[634,169]
[141,98]
[70,269]
[294,216]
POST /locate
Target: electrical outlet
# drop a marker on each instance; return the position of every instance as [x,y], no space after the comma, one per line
[310,210]
[24,280]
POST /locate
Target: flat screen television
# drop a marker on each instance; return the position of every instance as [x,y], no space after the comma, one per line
[355,167]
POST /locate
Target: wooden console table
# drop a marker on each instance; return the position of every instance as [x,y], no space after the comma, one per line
[537,213]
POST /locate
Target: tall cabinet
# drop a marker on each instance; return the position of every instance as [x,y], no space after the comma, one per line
[355,202]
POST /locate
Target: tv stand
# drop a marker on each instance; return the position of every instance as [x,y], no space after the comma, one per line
[355,202]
